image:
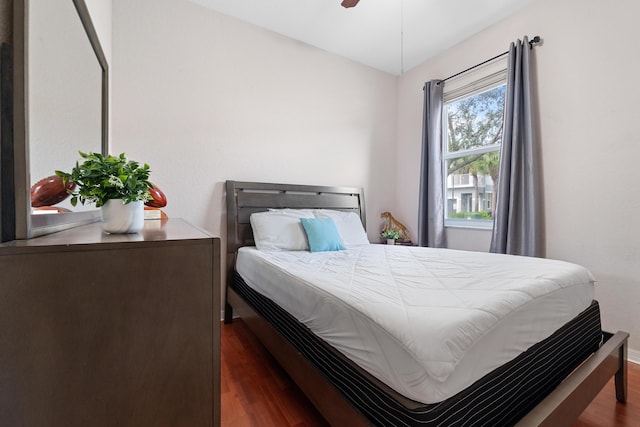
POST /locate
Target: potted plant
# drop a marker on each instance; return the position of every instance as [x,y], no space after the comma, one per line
[116,185]
[391,236]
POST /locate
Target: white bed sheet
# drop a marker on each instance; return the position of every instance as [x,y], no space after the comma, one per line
[426,322]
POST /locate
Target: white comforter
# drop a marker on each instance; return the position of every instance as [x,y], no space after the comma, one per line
[427,322]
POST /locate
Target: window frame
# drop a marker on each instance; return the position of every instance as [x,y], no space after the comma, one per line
[482,79]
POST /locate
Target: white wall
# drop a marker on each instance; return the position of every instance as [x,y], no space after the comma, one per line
[100,11]
[205,98]
[588,89]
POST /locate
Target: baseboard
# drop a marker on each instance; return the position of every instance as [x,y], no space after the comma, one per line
[235,316]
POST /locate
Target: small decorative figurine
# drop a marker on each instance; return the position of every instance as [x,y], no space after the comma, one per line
[392,224]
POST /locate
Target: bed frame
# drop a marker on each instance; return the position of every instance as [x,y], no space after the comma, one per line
[560,408]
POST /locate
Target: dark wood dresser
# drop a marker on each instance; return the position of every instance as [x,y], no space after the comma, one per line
[111,330]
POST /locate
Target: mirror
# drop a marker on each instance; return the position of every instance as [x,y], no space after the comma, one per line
[64,102]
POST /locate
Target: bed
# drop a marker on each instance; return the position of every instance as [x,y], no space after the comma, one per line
[549,384]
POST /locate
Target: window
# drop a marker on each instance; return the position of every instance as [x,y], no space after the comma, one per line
[473,115]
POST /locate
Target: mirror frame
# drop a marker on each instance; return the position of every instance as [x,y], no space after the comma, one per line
[26,224]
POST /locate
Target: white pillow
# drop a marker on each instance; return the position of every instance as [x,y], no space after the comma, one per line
[303,213]
[279,231]
[349,226]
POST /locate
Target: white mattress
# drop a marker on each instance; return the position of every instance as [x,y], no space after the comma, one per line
[426,322]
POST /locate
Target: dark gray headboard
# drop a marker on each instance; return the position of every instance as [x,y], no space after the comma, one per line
[245,198]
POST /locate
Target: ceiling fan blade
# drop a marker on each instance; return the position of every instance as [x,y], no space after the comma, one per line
[349,3]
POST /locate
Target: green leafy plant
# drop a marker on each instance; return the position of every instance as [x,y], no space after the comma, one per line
[390,234]
[470,215]
[101,178]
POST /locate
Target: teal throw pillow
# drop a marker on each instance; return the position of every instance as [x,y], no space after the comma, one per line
[322,234]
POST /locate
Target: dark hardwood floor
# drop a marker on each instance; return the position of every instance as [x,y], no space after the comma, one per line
[256,392]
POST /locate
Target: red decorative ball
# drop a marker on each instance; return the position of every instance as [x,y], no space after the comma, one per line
[158,199]
[49,191]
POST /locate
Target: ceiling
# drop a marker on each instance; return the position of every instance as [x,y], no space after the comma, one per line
[390,35]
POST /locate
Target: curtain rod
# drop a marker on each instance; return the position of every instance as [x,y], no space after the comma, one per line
[533,41]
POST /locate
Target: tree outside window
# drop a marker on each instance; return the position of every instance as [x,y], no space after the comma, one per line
[473,132]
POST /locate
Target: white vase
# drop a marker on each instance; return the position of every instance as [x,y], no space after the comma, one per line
[391,241]
[118,218]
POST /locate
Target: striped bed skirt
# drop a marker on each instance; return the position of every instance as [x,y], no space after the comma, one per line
[500,398]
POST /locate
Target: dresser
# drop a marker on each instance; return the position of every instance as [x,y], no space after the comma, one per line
[111,330]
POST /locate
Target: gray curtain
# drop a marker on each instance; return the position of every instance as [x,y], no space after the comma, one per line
[517,225]
[431,205]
